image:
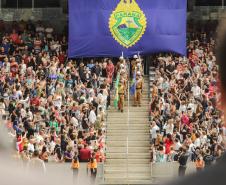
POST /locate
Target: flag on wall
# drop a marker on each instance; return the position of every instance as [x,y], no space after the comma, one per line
[103,28]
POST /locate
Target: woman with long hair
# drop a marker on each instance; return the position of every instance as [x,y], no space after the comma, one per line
[44,154]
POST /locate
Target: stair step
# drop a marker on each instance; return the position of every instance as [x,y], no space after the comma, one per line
[130,131]
[130,156]
[126,182]
[140,137]
[124,127]
[124,117]
[133,126]
[140,169]
[131,176]
[130,170]
[139,111]
[133,143]
[124,165]
[130,149]
[130,161]
[130,134]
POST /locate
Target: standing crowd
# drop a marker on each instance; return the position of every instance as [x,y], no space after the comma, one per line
[186,121]
[55,108]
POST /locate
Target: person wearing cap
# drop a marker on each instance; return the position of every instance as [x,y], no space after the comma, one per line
[121,94]
[139,66]
[119,64]
[133,64]
[139,87]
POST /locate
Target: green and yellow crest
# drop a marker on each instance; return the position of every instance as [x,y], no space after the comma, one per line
[127,23]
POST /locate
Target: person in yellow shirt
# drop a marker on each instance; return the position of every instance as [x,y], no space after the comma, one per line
[92,166]
[193,136]
[75,167]
[199,163]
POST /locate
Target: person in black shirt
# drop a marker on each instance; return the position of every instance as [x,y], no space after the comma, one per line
[57,150]
[183,158]
[208,159]
[96,69]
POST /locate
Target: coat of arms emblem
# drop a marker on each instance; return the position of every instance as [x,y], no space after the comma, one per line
[127,23]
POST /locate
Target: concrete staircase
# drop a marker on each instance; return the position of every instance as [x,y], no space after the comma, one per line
[128,165]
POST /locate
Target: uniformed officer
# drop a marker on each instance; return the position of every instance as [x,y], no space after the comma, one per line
[139,66]
[134,64]
[121,94]
[139,87]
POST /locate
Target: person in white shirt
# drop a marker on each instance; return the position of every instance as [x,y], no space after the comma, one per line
[153,131]
[196,90]
[23,112]
[39,137]
[192,105]
[169,126]
[74,120]
[36,165]
[191,148]
[220,138]
[49,31]
[2,107]
[177,145]
[203,138]
[197,142]
[30,146]
[92,116]
[29,114]
[183,106]
[23,68]
[100,99]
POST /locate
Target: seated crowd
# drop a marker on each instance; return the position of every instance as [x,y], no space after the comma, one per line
[184,108]
[53,107]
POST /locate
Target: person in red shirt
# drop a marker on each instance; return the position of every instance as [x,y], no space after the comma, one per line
[14,67]
[35,101]
[84,154]
[168,143]
[110,70]
[14,36]
[62,57]
[185,120]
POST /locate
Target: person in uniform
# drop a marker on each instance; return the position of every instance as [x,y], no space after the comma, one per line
[139,66]
[93,168]
[75,167]
[124,78]
[121,94]
[139,87]
[119,65]
[133,65]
